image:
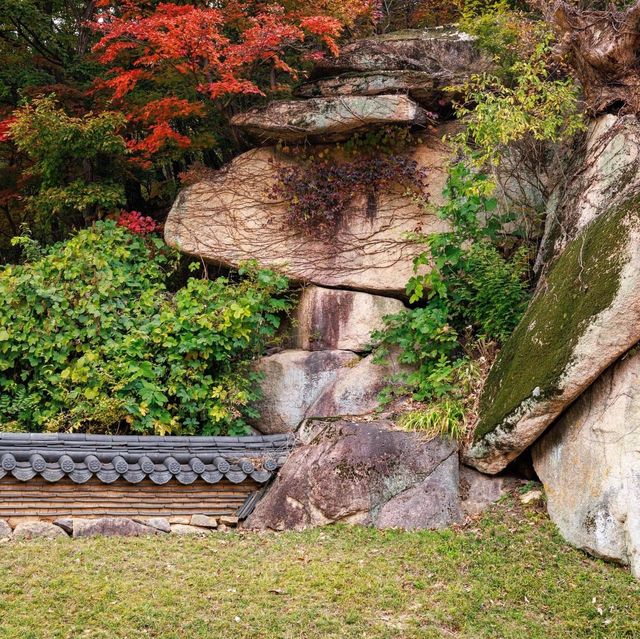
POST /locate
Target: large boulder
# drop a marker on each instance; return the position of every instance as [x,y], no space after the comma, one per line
[292,381]
[365,473]
[605,174]
[232,217]
[328,119]
[441,52]
[589,463]
[584,317]
[356,389]
[328,319]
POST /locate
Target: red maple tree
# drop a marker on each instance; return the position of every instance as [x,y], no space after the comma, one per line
[186,58]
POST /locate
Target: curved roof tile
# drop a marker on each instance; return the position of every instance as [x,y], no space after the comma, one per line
[135,458]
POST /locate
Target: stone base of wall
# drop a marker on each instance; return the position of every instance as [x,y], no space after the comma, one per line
[26,528]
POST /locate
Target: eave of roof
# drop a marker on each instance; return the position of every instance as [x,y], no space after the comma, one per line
[81,457]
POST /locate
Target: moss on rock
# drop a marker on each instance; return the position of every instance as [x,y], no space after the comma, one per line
[582,283]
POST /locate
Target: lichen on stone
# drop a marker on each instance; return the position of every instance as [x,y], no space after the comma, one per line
[583,282]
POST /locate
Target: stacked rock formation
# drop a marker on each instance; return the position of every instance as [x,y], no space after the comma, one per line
[357,276]
[350,280]
[233,217]
[330,370]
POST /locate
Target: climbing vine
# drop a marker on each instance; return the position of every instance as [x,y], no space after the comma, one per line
[319,187]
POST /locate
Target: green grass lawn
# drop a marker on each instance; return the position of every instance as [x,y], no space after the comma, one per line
[508,576]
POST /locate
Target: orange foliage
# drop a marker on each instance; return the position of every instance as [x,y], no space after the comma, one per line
[5,126]
[204,53]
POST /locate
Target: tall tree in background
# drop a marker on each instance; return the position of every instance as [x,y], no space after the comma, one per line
[43,48]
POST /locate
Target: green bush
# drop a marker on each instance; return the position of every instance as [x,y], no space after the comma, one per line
[427,344]
[92,339]
[491,292]
[77,165]
[526,98]
[469,289]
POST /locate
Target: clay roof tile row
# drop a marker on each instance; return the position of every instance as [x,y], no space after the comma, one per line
[135,458]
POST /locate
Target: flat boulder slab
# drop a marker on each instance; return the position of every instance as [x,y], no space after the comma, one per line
[583,319]
[589,463]
[204,521]
[363,473]
[328,119]
[443,53]
[329,319]
[111,527]
[37,530]
[231,217]
[292,382]
[425,88]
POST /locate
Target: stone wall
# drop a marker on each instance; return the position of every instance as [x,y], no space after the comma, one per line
[24,529]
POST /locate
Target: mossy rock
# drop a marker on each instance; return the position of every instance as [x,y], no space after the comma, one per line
[582,319]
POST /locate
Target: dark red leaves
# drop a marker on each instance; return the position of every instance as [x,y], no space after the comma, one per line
[137,223]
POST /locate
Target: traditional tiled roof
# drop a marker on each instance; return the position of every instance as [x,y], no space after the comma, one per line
[134,458]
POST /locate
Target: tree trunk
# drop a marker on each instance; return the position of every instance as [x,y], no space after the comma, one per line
[602,47]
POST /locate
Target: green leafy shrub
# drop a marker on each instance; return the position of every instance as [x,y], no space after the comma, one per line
[425,341]
[504,31]
[491,292]
[527,98]
[92,339]
[76,163]
[535,106]
[468,282]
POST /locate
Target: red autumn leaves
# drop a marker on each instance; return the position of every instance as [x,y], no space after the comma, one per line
[171,62]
